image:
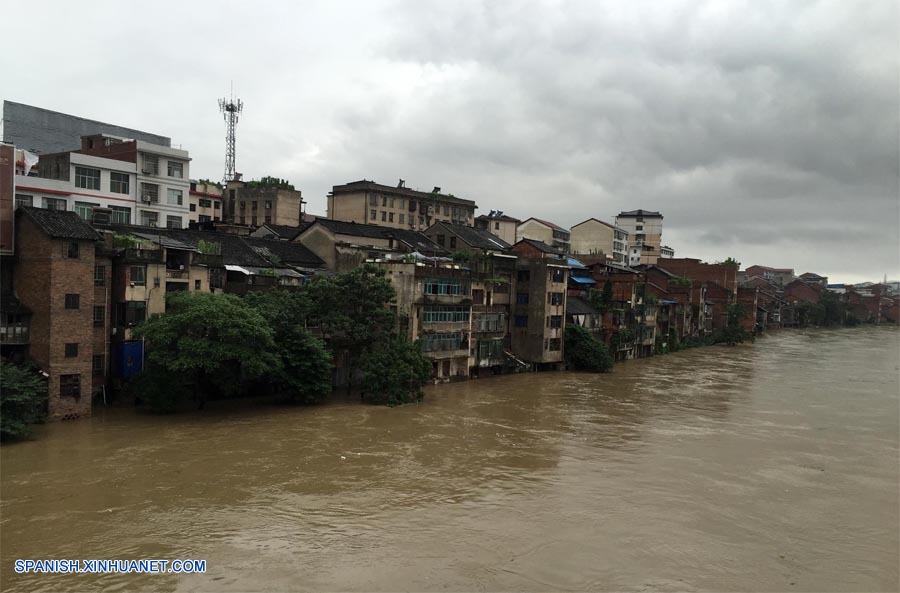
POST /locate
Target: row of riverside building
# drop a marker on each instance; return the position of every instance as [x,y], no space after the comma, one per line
[85,258]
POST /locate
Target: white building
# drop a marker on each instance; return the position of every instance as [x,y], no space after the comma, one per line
[163,180]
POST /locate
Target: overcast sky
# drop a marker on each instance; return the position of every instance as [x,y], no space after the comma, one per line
[764,131]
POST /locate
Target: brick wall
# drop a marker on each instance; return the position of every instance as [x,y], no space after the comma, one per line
[43,277]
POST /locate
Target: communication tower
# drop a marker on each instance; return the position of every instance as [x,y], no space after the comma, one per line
[231,111]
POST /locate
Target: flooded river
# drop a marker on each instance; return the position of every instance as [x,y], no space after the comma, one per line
[771,467]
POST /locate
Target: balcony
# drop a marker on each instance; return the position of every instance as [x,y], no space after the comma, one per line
[143,256]
[12,335]
[208,259]
[178,274]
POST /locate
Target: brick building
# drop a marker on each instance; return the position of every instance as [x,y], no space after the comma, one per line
[61,280]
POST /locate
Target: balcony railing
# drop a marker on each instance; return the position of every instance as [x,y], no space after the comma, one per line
[177,274]
[143,256]
[14,334]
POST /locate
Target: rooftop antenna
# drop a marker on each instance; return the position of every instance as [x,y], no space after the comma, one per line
[231,111]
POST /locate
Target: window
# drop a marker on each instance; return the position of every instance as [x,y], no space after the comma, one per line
[73,301]
[558,275]
[521,298]
[372,215]
[174,197]
[444,286]
[71,250]
[85,210]
[197,284]
[392,202]
[192,207]
[402,203]
[554,321]
[243,220]
[205,203]
[150,193]
[521,320]
[137,275]
[149,218]
[70,386]
[173,222]
[253,220]
[491,322]
[373,200]
[438,342]
[268,219]
[268,204]
[254,206]
[639,227]
[99,275]
[176,169]
[216,205]
[401,218]
[555,344]
[523,275]
[446,210]
[24,200]
[120,215]
[477,297]
[149,164]
[496,226]
[441,240]
[72,350]
[133,312]
[384,201]
[438,314]
[421,220]
[98,364]
[118,183]
[555,298]
[86,178]
[203,218]
[55,204]
[390,217]
[452,242]
[99,315]
[383,216]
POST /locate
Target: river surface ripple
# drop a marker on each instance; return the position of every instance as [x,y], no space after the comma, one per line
[771,467]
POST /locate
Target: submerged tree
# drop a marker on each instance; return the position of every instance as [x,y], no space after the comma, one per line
[23,400]
[395,372]
[584,352]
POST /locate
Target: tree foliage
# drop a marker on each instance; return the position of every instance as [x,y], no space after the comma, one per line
[395,372]
[734,332]
[23,400]
[584,352]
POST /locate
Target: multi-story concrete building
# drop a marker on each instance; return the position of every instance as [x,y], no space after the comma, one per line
[594,236]
[397,207]
[666,252]
[539,308]
[63,281]
[545,232]
[644,230]
[205,202]
[267,201]
[781,277]
[499,224]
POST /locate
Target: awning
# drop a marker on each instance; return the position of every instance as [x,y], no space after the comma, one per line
[575,263]
[582,280]
[236,269]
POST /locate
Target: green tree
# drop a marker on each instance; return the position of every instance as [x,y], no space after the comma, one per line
[352,310]
[23,400]
[159,389]
[586,353]
[734,331]
[395,372]
[304,372]
[834,311]
[216,341]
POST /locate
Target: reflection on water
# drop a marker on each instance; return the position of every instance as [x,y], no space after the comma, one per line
[766,467]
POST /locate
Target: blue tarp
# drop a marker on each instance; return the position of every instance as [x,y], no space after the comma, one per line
[582,280]
[575,263]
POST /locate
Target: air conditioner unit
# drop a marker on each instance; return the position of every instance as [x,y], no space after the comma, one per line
[147,171]
[151,224]
[147,199]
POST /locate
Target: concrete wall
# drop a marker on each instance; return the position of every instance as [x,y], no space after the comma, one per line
[388,207]
[592,237]
[41,130]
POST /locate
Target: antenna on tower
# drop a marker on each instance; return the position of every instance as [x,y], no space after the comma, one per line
[231,111]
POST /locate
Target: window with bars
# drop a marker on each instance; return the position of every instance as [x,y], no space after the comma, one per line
[444,286]
[150,193]
[118,183]
[98,364]
[137,275]
[87,178]
[72,350]
[441,342]
[440,314]
[120,215]
[99,275]
[555,298]
[85,210]
[24,200]
[554,321]
[70,386]
[99,315]
[558,275]
[175,169]
[73,301]
[71,250]
[149,164]
[55,204]
[173,222]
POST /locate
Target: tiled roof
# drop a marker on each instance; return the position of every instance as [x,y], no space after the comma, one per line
[288,233]
[286,251]
[577,306]
[541,246]
[61,224]
[502,218]
[477,238]
[612,226]
[414,239]
[365,185]
[640,212]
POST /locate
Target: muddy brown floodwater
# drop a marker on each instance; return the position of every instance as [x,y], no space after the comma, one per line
[771,467]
